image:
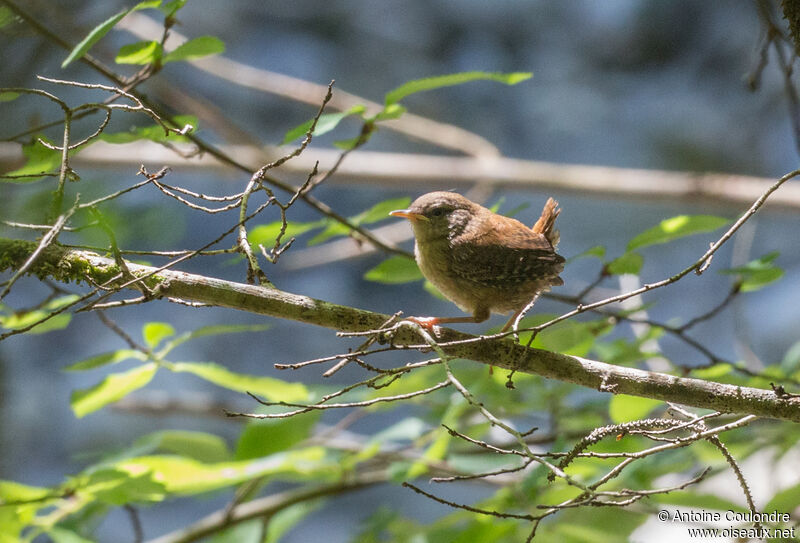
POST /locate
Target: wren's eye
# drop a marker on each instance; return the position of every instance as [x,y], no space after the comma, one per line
[438,212]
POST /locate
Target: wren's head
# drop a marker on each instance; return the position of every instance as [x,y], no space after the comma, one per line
[439,215]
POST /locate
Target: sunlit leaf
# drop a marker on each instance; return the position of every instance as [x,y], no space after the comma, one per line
[570,337]
[111,389]
[265,234]
[102,29]
[270,388]
[170,8]
[431,289]
[39,160]
[325,124]
[62,535]
[677,227]
[264,437]
[352,143]
[757,273]
[17,321]
[250,531]
[437,82]
[624,408]
[8,96]
[201,446]
[217,329]
[153,132]
[143,52]
[380,211]
[196,48]
[154,333]
[394,270]
[105,359]
[114,486]
[627,263]
[390,112]
[181,475]
[285,519]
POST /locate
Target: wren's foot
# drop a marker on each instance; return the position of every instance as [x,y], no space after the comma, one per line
[426,322]
[429,322]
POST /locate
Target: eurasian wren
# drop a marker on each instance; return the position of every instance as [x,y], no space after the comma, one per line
[482,261]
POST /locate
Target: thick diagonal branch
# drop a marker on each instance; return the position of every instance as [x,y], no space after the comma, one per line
[72,265]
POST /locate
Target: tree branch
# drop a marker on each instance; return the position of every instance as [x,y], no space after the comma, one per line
[263,507]
[74,265]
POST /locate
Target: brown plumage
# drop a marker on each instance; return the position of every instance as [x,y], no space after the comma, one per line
[482,261]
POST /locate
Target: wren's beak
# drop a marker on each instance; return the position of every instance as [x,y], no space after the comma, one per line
[410,215]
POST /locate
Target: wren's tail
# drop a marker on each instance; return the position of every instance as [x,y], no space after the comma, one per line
[546,223]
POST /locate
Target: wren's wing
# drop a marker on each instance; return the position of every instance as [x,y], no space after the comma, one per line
[497,264]
[507,253]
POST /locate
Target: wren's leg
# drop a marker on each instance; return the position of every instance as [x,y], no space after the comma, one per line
[507,325]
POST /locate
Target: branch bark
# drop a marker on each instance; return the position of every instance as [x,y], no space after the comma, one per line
[65,264]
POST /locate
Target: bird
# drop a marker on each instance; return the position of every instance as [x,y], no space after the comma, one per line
[483,262]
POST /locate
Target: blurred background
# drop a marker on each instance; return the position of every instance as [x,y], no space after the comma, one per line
[628,84]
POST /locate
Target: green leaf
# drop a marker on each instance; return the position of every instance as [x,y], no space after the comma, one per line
[285,519]
[214,330]
[785,500]
[713,373]
[394,270]
[40,160]
[352,143]
[791,360]
[181,475]
[8,96]
[102,29]
[331,231]
[388,113]
[111,389]
[155,332]
[62,535]
[270,388]
[376,213]
[93,37]
[431,289]
[380,211]
[196,48]
[105,359]
[153,132]
[325,124]
[430,83]
[624,408]
[201,446]
[677,227]
[627,263]
[170,8]
[143,52]
[265,437]
[691,498]
[598,251]
[114,486]
[17,321]
[570,337]
[757,273]
[265,234]
[6,17]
